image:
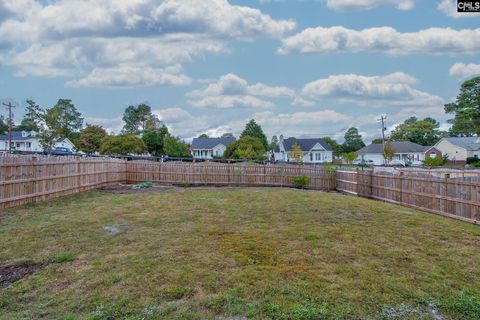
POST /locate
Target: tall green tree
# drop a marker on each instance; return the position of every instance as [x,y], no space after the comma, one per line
[90,138]
[174,147]
[203,136]
[466,109]
[273,143]
[33,117]
[154,140]
[245,148]
[63,118]
[122,144]
[3,125]
[138,118]
[353,140]
[254,130]
[336,147]
[424,132]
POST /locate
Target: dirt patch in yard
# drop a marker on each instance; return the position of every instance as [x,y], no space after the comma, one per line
[14,272]
[128,189]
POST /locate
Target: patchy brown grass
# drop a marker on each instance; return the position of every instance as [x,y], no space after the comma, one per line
[255,253]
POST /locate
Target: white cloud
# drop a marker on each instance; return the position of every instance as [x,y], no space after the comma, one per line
[465,71]
[302,102]
[353,5]
[383,39]
[389,90]
[70,37]
[449,7]
[126,76]
[231,91]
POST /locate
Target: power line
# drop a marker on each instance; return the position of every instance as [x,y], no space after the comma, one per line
[382,119]
[9,106]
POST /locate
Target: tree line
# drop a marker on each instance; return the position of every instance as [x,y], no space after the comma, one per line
[143,132]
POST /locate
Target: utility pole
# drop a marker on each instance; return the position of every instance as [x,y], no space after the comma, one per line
[382,119]
[9,106]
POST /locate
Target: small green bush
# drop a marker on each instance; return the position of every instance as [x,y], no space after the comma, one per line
[144,185]
[301,182]
[472,160]
[435,162]
[63,257]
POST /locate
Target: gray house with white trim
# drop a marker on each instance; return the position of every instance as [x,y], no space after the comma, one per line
[208,148]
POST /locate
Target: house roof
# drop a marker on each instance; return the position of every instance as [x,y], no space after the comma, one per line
[210,143]
[399,146]
[467,143]
[305,144]
[16,135]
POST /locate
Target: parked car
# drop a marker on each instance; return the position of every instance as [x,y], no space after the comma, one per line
[59,151]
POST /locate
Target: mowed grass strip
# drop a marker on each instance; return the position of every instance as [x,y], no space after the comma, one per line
[244,252]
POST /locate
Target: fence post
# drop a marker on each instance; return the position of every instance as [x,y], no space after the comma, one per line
[357,179]
[401,186]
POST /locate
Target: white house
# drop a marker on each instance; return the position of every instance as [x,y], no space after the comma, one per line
[207,148]
[405,151]
[28,141]
[459,148]
[315,150]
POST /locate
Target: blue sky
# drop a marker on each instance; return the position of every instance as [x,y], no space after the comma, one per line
[300,68]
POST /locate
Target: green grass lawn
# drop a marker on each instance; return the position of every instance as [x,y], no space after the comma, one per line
[252,253]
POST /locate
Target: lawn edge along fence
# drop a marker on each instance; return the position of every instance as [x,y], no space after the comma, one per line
[27,179]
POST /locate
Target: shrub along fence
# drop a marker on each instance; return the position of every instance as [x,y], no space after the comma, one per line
[25,179]
[455,194]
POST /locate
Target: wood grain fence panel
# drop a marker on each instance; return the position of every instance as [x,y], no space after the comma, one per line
[454,194]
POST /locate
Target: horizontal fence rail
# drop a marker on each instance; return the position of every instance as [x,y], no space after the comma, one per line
[32,178]
[218,174]
[26,179]
[453,194]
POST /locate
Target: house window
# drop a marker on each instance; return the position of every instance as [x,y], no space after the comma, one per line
[18,144]
[29,144]
[311,157]
[318,156]
[433,155]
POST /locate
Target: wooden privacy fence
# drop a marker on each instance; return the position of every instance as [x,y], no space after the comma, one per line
[25,179]
[453,194]
[220,174]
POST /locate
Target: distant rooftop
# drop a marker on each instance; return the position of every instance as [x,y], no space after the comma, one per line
[306,144]
[210,143]
[468,143]
[399,146]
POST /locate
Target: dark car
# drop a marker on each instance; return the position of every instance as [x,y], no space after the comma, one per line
[60,151]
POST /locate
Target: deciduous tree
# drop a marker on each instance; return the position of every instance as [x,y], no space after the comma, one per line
[245,148]
[137,118]
[424,132]
[174,147]
[90,138]
[122,144]
[154,140]
[389,151]
[296,153]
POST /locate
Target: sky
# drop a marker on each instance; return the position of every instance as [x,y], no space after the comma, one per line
[304,68]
